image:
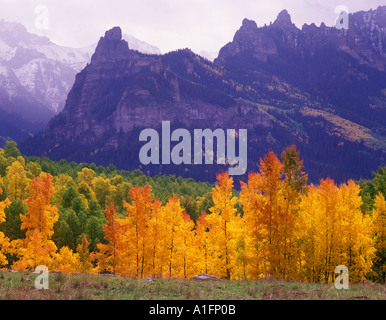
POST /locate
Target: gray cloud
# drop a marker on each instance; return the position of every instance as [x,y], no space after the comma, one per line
[169,24]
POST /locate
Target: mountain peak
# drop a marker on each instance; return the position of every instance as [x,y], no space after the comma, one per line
[284,16]
[111,47]
[283,20]
[114,34]
[249,24]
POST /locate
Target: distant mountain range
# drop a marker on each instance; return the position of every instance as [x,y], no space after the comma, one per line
[320,88]
[35,77]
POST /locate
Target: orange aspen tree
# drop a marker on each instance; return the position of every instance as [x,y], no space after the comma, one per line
[253,207]
[109,254]
[41,215]
[221,220]
[37,248]
[271,186]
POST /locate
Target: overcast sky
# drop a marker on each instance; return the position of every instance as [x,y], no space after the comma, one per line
[202,25]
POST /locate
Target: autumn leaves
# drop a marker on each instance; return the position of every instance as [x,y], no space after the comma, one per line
[151,241]
[276,226]
[286,229]
[36,248]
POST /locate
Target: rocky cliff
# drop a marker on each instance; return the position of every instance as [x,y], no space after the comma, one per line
[319,88]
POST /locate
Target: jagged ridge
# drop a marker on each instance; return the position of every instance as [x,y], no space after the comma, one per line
[268,80]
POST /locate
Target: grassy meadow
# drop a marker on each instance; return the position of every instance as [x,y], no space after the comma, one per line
[20,286]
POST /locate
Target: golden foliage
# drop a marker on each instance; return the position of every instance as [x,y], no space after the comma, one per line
[278,226]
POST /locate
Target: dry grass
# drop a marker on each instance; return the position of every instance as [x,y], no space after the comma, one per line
[20,286]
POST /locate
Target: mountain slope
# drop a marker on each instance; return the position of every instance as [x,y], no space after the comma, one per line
[344,68]
[35,78]
[268,80]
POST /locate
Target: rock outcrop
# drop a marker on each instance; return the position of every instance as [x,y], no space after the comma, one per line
[205,277]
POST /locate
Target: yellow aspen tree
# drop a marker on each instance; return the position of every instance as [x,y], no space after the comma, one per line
[379,234]
[84,183]
[295,180]
[173,219]
[309,259]
[85,257]
[329,224]
[221,218]
[86,175]
[33,170]
[164,235]
[66,260]
[34,251]
[240,245]
[61,184]
[16,180]
[138,215]
[4,241]
[187,252]
[205,264]
[157,229]
[103,190]
[357,238]
[122,193]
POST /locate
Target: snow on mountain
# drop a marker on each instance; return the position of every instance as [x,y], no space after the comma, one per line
[139,45]
[44,69]
[36,76]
